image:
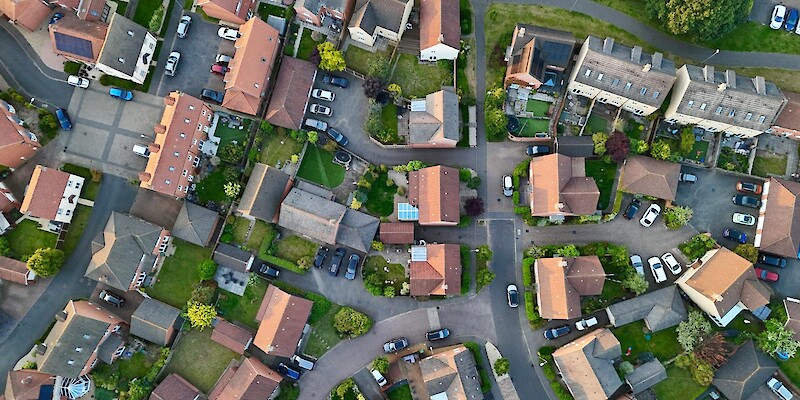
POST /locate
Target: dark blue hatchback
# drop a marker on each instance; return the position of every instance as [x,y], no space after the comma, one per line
[63,119]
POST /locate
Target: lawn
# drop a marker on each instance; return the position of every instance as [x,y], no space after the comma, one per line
[698,152]
[380,199]
[90,187]
[377,265]
[145,10]
[279,147]
[260,232]
[26,238]
[359,59]
[323,336]
[419,80]
[400,393]
[603,175]
[634,129]
[537,107]
[612,291]
[768,163]
[265,10]
[663,344]
[530,127]
[791,368]
[178,275]
[307,45]
[136,366]
[212,187]
[198,359]
[731,161]
[228,135]
[389,117]
[243,308]
[596,124]
[240,227]
[79,220]
[679,385]
[318,166]
[294,248]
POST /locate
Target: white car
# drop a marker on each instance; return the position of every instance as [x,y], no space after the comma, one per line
[508,186]
[586,323]
[673,264]
[320,110]
[657,269]
[512,295]
[183,26]
[636,261]
[228,33]
[650,215]
[778,15]
[779,389]
[222,59]
[171,66]
[323,95]
[744,219]
[77,81]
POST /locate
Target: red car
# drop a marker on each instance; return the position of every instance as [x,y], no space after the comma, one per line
[219,69]
[765,275]
[748,187]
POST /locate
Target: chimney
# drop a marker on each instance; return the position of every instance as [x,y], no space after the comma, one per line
[760,84]
[721,87]
[730,78]
[521,32]
[608,45]
[716,297]
[636,54]
[61,316]
[646,67]
[657,59]
[708,73]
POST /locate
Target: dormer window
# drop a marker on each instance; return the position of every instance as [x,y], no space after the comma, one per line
[615,82]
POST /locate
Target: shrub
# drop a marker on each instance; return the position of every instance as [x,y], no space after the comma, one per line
[618,146]
[635,283]
[155,21]
[203,293]
[483,277]
[527,273]
[351,323]
[515,197]
[200,315]
[381,364]
[207,269]
[599,139]
[626,368]
[389,291]
[72,67]
[677,216]
[464,221]
[697,246]
[748,252]
[305,262]
[474,182]
[691,331]
[660,150]
[474,206]
[534,319]
[501,366]
[464,174]
[568,251]
[46,262]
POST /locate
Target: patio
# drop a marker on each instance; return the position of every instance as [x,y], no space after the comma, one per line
[231,280]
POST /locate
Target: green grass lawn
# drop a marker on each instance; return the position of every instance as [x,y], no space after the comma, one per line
[698,152]
[400,393]
[679,385]
[767,163]
[307,45]
[663,344]
[634,129]
[260,231]
[179,275]
[212,187]
[265,10]
[279,147]
[136,366]
[145,10]
[359,59]
[79,220]
[243,308]
[240,227]
[228,135]
[294,248]
[26,238]
[199,359]
[90,188]
[530,127]
[380,200]
[323,336]
[389,117]
[612,291]
[420,80]
[603,175]
[375,265]
[792,369]
[596,124]
[318,166]
[537,107]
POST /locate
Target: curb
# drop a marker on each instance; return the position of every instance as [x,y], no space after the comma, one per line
[504,382]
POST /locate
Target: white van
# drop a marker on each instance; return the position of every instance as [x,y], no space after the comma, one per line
[303,362]
[141,150]
[379,378]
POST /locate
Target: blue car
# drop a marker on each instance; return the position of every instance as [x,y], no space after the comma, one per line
[733,234]
[121,94]
[63,119]
[791,20]
[288,371]
[553,333]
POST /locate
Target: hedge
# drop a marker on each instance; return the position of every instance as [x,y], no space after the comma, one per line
[527,273]
[283,263]
[550,372]
[534,318]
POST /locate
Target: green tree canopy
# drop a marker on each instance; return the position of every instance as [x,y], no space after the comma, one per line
[330,58]
[381,364]
[351,323]
[700,19]
[691,331]
[660,150]
[207,269]
[46,262]
[200,315]
[747,251]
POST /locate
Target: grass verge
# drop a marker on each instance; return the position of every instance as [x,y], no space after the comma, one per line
[318,166]
[79,220]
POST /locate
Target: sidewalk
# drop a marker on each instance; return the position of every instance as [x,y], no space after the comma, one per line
[503,381]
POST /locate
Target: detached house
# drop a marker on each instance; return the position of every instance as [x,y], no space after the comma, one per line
[660,309]
[622,76]
[435,270]
[287,105]
[433,122]
[251,380]
[282,318]
[450,374]
[127,51]
[78,40]
[435,192]
[717,101]
[778,227]
[52,195]
[28,384]
[587,365]
[17,143]
[538,56]
[26,13]
[561,281]
[232,11]
[439,30]
[249,77]
[328,15]
[377,22]
[560,187]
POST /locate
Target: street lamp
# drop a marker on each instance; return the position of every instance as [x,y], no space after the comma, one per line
[709,57]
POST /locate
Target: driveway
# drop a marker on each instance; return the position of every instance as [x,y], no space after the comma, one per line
[505,156]
[349,108]
[761,12]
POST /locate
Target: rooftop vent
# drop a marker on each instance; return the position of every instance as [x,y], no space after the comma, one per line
[122,60]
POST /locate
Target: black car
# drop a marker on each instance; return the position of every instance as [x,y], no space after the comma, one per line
[319,259]
[288,371]
[268,272]
[213,95]
[632,209]
[352,265]
[774,261]
[437,335]
[112,298]
[733,234]
[335,80]
[537,150]
[553,333]
[338,137]
[747,201]
[338,257]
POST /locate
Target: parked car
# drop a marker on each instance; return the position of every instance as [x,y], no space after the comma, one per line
[319,259]
[774,261]
[212,95]
[63,119]
[733,234]
[657,269]
[781,391]
[746,201]
[749,187]
[508,186]
[112,298]
[228,33]
[121,94]
[338,137]
[183,26]
[673,264]
[513,296]
[395,345]
[688,178]
[141,150]
[539,150]
[320,110]
[323,95]
[56,17]
[632,209]
[77,81]
[778,14]
[791,20]
[316,124]
[171,66]
[636,261]
[556,332]
[437,335]
[338,257]
[744,219]
[288,371]
[586,323]
[352,266]
[269,272]
[650,215]
[334,80]
[222,59]
[219,69]
[765,275]
[379,378]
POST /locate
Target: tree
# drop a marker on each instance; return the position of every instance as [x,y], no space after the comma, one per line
[713,350]
[599,139]
[483,252]
[635,283]
[232,189]
[381,364]
[473,206]
[677,216]
[378,245]
[495,98]
[692,330]
[294,159]
[232,152]
[495,122]
[702,19]
[464,174]
[395,89]
[702,372]
[138,389]
[474,182]
[5,248]
[156,19]
[351,323]
[348,385]
[687,140]
[355,204]
[314,58]
[313,136]
[372,87]
[660,150]
[618,146]
[626,368]
[200,315]
[46,262]
[207,269]
[568,251]
[747,251]
[483,277]
[639,146]
[501,366]
[330,58]
[775,338]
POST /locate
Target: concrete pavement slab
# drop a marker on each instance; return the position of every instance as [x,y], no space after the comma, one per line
[140,117]
[88,141]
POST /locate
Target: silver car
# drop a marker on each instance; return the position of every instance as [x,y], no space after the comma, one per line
[779,389]
[323,95]
[320,110]
[171,65]
[317,124]
[183,26]
[636,261]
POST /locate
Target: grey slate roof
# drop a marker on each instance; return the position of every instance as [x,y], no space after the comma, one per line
[551,48]
[387,14]
[232,257]
[195,224]
[620,65]
[264,192]
[316,5]
[440,118]
[749,98]
[124,40]
[660,309]
[152,321]
[743,374]
[357,230]
[106,350]
[646,375]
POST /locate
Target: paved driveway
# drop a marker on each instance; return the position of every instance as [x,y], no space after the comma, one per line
[761,12]
[349,109]
[504,157]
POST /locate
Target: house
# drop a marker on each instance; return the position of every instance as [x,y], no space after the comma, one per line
[379,21]
[778,227]
[27,384]
[792,307]
[52,195]
[231,336]
[587,365]
[127,251]
[560,187]
[12,270]
[248,79]
[745,374]
[251,380]
[330,15]
[196,224]
[234,12]
[723,284]
[646,376]
[435,191]
[232,257]
[621,76]
[282,318]
[27,13]
[127,51]
[17,143]
[8,201]
[724,101]
[433,122]
[155,322]
[265,191]
[450,374]
[561,281]
[435,270]
[537,56]
[439,30]
[78,40]
[660,309]
[174,387]
[650,177]
[788,122]
[289,99]
[179,141]
[84,333]
[327,221]
[397,232]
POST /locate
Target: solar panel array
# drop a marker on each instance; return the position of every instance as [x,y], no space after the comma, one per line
[407,212]
[556,53]
[419,253]
[73,45]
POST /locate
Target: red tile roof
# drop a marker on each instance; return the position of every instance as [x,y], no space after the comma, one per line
[250,381]
[247,82]
[439,274]
[440,22]
[174,387]
[281,318]
[435,191]
[231,336]
[44,192]
[14,271]
[397,232]
[290,95]
[16,143]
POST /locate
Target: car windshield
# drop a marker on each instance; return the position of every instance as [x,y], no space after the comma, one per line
[513,295]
